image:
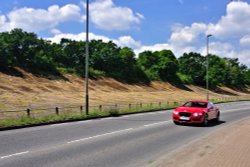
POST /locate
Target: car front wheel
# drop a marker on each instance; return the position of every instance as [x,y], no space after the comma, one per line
[205,120]
[217,118]
[176,123]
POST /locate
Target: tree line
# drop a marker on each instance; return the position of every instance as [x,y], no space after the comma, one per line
[39,56]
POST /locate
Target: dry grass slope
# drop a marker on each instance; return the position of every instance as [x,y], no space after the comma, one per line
[30,90]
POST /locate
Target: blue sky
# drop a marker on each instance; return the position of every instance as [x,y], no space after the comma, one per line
[178,25]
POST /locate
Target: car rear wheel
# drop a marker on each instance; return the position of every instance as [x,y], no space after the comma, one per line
[205,120]
[217,118]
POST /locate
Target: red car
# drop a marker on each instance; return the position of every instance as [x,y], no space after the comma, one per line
[196,112]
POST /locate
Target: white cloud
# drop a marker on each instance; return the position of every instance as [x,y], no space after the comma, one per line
[123,41]
[2,20]
[153,48]
[187,35]
[3,25]
[189,38]
[55,31]
[78,37]
[245,41]
[36,20]
[105,15]
[235,23]
[222,49]
[128,41]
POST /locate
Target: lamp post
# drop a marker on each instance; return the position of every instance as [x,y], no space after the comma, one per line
[87,60]
[207,81]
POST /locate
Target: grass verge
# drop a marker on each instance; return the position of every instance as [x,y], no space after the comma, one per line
[32,121]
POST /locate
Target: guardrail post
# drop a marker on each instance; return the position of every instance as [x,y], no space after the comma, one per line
[28,112]
[141,105]
[167,103]
[57,111]
[151,104]
[160,104]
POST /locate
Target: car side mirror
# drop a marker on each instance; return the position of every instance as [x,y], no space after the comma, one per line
[211,108]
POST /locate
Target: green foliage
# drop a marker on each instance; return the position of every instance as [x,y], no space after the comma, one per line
[25,50]
[114,113]
[216,73]
[193,65]
[185,79]
[159,65]
[168,65]
[96,73]
[236,74]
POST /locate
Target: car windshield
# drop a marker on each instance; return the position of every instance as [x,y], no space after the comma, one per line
[195,104]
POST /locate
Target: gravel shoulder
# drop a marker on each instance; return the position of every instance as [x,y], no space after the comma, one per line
[228,147]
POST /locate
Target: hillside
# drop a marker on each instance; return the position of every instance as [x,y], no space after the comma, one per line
[30,90]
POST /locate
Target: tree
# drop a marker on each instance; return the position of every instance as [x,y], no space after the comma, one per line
[194,65]
[167,66]
[216,72]
[161,65]
[23,49]
[129,70]
[235,73]
[104,56]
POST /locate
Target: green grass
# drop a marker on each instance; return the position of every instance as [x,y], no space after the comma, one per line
[26,121]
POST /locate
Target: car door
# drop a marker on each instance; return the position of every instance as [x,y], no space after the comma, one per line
[212,111]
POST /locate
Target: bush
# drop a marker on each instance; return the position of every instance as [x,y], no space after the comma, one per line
[96,73]
[114,112]
[185,79]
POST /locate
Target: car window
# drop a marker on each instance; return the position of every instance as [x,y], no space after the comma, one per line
[195,104]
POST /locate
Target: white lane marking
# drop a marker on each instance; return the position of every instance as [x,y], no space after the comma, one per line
[107,118]
[61,124]
[72,123]
[97,136]
[157,123]
[16,154]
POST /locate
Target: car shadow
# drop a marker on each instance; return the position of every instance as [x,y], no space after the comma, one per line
[210,124]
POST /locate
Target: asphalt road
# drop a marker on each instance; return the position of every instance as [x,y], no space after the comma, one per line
[127,141]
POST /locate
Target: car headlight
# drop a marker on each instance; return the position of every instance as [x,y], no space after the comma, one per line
[176,112]
[197,114]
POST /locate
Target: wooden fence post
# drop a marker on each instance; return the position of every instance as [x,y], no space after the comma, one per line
[129,106]
[28,112]
[100,107]
[57,111]
[81,108]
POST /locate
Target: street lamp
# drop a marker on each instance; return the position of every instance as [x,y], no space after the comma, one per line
[87,60]
[207,83]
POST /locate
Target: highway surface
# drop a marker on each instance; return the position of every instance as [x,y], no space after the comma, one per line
[126,141]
